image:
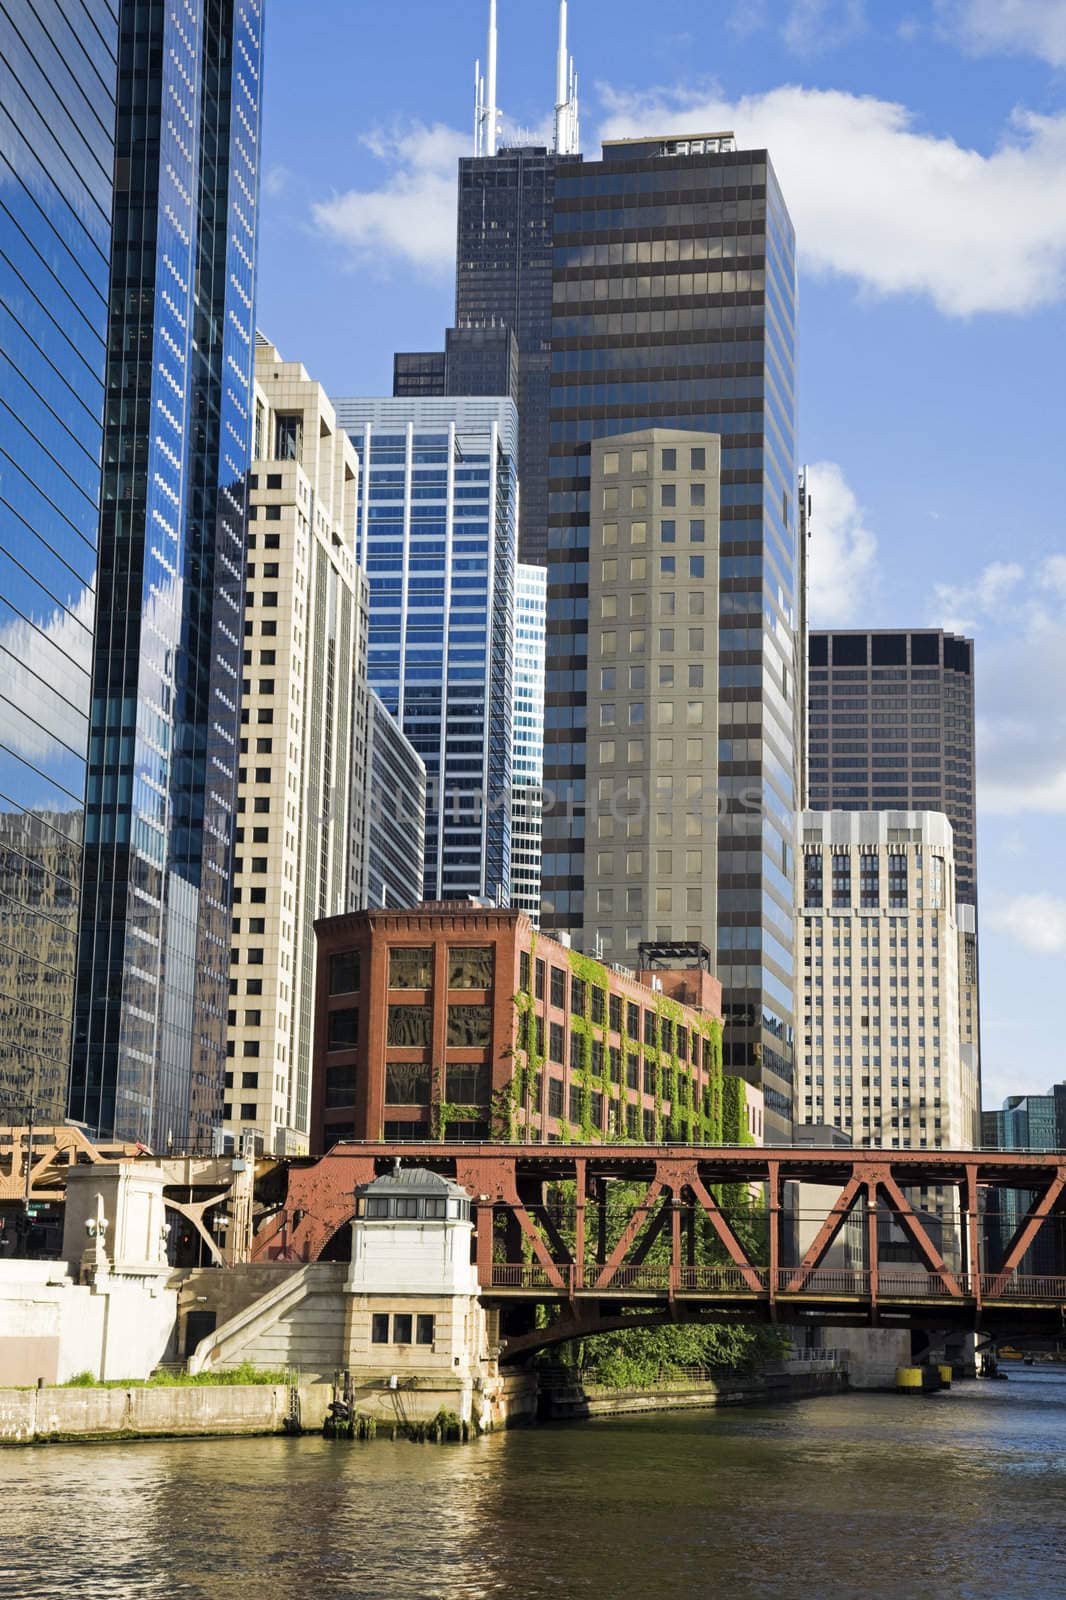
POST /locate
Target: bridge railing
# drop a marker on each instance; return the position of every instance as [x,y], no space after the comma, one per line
[754,1282]
[723,1280]
[521,1275]
[1021,1286]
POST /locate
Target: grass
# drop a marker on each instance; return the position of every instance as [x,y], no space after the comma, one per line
[244,1374]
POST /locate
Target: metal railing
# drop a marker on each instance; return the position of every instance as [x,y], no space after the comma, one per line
[817,1283]
[722,1280]
[522,1275]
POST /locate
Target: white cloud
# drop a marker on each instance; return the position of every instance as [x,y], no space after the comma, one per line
[1019,670]
[897,209]
[1053,575]
[1017,27]
[1036,921]
[411,217]
[959,607]
[815,25]
[842,553]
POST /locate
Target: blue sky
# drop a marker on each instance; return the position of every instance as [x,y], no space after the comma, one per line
[922,151]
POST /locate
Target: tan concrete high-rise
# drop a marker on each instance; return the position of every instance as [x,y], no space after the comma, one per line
[303,744]
[651,855]
[886,1006]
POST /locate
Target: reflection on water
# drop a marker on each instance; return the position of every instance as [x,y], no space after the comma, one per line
[958,1496]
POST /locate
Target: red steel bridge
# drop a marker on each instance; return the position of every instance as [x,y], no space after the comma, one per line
[614,1236]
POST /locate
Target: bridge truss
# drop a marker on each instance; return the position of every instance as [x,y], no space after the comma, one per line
[620,1236]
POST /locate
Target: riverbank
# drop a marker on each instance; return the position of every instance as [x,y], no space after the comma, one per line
[579,1402]
[63,1414]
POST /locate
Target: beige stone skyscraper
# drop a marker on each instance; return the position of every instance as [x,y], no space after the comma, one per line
[651,858]
[886,1007]
[303,744]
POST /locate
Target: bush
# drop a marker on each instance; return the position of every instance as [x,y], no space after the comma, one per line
[244,1374]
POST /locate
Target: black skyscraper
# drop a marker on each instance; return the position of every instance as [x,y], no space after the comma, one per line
[674,307]
[892,728]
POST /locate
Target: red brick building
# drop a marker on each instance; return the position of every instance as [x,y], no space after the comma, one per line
[460,1022]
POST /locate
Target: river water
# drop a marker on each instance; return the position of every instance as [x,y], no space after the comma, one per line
[958,1496]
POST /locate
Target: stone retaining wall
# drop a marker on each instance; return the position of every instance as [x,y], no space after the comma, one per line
[30,1416]
[596,1400]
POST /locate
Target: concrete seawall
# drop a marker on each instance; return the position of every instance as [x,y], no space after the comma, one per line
[29,1416]
[596,1400]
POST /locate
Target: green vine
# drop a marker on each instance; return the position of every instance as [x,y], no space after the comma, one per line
[527,1077]
[590,974]
[448,1111]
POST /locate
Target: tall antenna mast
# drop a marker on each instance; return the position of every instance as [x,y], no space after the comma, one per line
[567,136]
[486,112]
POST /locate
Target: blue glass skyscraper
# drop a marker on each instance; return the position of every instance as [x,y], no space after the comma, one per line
[438,538]
[57,120]
[149,1050]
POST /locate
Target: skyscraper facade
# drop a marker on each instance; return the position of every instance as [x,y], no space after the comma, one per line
[892,727]
[674,307]
[394,815]
[153,969]
[651,862]
[303,733]
[437,538]
[57,122]
[528,724]
[504,277]
[886,1009]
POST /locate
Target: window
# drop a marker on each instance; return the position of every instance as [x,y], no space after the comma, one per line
[344,972]
[555,1097]
[668,495]
[638,497]
[869,882]
[697,494]
[409,1026]
[407,1083]
[288,437]
[610,462]
[379,1326]
[695,566]
[466,1083]
[343,1029]
[638,461]
[697,459]
[469,1026]
[610,499]
[410,968]
[249,1111]
[667,566]
[425,1323]
[558,988]
[470,967]
[555,1042]
[669,461]
[668,532]
[401,1327]
[696,530]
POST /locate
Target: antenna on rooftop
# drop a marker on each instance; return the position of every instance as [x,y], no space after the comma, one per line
[567,136]
[486,112]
